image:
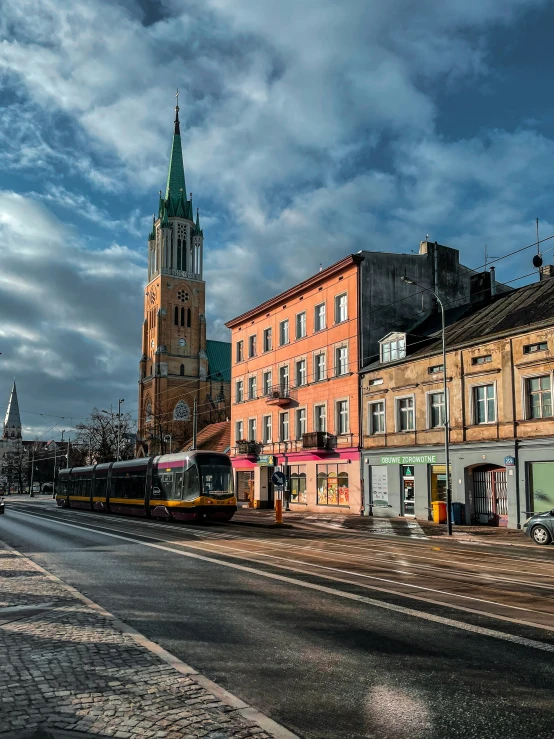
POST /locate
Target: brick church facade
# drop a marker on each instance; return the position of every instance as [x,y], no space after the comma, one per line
[178,364]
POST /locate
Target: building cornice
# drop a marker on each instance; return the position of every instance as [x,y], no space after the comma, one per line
[297,289]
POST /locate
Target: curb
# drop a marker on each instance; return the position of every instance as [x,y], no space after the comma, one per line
[262,525]
[245,710]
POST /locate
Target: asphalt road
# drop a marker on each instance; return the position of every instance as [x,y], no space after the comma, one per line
[331,634]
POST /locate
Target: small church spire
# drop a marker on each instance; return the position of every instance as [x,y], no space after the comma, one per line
[176,173]
[12,422]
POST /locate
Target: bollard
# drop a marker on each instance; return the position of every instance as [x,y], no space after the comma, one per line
[279,506]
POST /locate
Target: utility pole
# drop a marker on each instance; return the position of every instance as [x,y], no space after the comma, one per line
[67,461]
[119,402]
[194,425]
[54,479]
[31,492]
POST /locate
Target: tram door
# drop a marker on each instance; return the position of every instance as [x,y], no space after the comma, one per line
[408,491]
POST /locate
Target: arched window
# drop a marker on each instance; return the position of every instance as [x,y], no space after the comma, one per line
[148,411]
[182,370]
[188,317]
[181,412]
[182,316]
[176,316]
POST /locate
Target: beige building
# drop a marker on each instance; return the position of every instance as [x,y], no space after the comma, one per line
[499,370]
[178,365]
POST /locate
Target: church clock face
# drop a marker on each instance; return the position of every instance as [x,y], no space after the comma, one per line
[182,342]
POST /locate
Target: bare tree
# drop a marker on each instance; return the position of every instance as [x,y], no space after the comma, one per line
[97,437]
[15,466]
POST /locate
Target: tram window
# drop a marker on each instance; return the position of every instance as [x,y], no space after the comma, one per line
[129,487]
[85,488]
[178,487]
[164,482]
[75,487]
[191,485]
[100,485]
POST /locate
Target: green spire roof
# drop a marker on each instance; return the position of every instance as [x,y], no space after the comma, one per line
[198,230]
[176,174]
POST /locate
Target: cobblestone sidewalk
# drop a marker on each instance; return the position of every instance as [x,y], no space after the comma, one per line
[66,664]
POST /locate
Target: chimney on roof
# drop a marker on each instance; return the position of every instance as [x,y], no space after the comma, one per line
[493,281]
[546,272]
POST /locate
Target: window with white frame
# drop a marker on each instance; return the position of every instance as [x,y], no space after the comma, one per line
[267,340]
[320,417]
[436,410]
[266,382]
[376,417]
[252,388]
[539,396]
[300,422]
[284,426]
[319,317]
[301,373]
[239,431]
[342,417]
[484,404]
[405,414]
[341,308]
[319,367]
[252,346]
[240,351]
[266,428]
[284,378]
[284,332]
[393,347]
[341,360]
[251,429]
[301,325]
[239,388]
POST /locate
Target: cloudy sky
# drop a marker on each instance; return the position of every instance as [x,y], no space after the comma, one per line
[311,129]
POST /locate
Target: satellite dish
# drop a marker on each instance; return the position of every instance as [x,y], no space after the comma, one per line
[537,260]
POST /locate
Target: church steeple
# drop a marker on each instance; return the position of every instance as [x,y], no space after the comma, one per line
[176,174]
[12,422]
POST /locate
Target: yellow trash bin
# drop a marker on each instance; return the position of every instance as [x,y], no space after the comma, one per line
[439,511]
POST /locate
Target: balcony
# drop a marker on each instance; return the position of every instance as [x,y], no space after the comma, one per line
[318,440]
[249,448]
[280,395]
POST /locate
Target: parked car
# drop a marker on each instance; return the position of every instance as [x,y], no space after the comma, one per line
[540,527]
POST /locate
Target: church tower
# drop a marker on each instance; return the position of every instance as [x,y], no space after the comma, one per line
[12,422]
[174,363]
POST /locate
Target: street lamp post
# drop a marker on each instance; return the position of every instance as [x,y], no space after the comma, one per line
[166,437]
[119,402]
[446,419]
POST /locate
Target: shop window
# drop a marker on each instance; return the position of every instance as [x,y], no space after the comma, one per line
[539,396]
[484,404]
[297,482]
[376,416]
[541,492]
[438,482]
[332,485]
[245,486]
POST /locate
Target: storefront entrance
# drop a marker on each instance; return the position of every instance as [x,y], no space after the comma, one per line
[490,491]
[408,491]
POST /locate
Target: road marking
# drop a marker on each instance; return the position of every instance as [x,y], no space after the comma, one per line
[245,710]
[480,630]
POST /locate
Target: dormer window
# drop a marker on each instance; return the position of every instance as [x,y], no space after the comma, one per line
[393,347]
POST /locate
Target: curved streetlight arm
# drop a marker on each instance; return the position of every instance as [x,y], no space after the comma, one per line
[446,414]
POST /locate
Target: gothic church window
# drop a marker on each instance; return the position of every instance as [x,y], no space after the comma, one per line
[188,318]
[182,295]
[176,316]
[181,411]
[182,370]
[182,316]
[148,411]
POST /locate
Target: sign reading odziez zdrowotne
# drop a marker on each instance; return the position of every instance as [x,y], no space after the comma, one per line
[410,459]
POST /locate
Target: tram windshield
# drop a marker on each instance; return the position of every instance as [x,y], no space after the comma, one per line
[217,479]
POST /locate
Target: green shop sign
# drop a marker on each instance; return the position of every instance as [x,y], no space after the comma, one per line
[266,460]
[410,459]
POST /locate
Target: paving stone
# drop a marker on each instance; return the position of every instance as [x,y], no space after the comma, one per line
[68,669]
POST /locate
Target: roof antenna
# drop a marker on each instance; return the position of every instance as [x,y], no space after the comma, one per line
[321,266]
[537,259]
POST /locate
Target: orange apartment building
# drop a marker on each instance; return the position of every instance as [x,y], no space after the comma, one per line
[295,393]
